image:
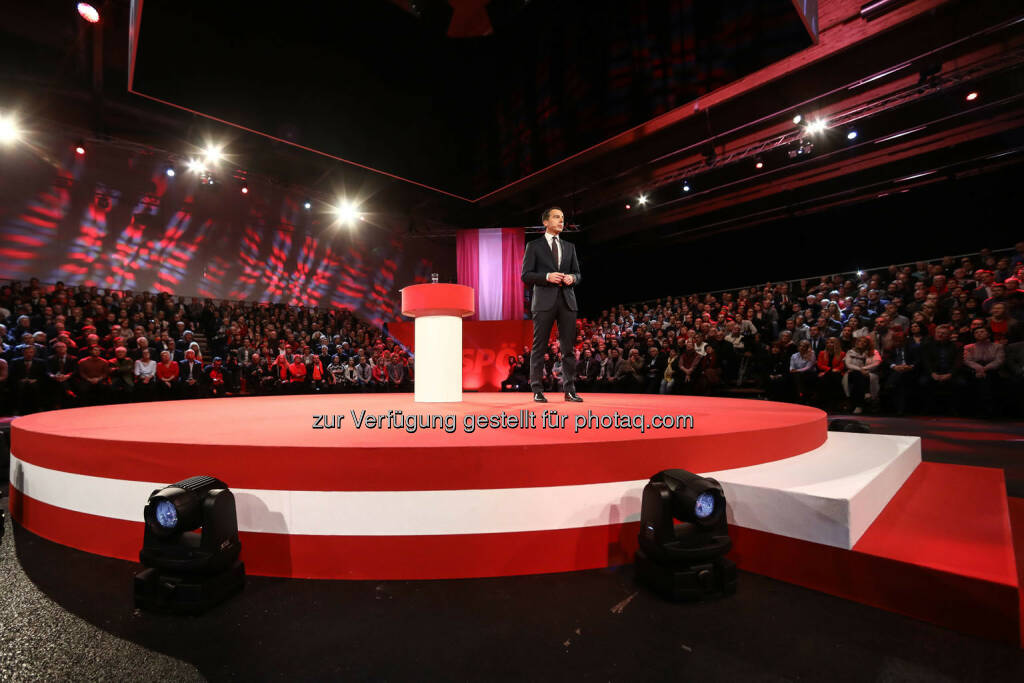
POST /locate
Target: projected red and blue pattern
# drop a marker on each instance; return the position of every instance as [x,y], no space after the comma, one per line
[97,223]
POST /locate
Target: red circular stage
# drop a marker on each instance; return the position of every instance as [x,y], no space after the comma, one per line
[512,495]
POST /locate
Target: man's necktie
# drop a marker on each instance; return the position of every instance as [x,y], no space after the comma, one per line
[554,250]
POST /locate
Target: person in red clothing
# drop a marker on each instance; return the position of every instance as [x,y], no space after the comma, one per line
[830,374]
[317,376]
[214,374]
[297,375]
[167,377]
[379,380]
[94,371]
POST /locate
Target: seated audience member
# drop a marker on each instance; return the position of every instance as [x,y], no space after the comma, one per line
[94,373]
[167,371]
[297,375]
[145,376]
[26,376]
[831,365]
[689,375]
[587,371]
[901,361]
[608,378]
[1000,324]
[350,380]
[802,368]
[316,374]
[982,361]
[628,375]
[861,378]
[364,375]
[940,365]
[396,373]
[190,375]
[122,375]
[379,382]
[1012,373]
[213,376]
[336,371]
[668,377]
[62,368]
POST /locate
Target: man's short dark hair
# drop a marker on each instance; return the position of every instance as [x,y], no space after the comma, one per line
[547,212]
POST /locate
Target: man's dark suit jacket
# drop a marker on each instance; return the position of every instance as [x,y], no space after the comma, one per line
[538,262]
[18,372]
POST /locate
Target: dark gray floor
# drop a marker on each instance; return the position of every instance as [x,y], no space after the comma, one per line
[68,615]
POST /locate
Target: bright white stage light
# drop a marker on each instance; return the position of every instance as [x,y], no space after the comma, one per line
[642,199]
[88,12]
[213,154]
[308,205]
[817,126]
[9,130]
[852,135]
[797,119]
[170,171]
[196,166]
[347,212]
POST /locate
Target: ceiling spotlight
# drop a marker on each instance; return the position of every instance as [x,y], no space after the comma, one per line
[852,135]
[170,171]
[80,149]
[971,96]
[817,126]
[797,119]
[347,212]
[88,12]
[641,200]
[759,164]
[860,273]
[196,166]
[686,186]
[213,154]
[308,205]
[9,130]
[245,189]
[628,207]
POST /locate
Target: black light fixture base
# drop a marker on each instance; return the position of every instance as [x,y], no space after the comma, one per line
[687,582]
[164,591]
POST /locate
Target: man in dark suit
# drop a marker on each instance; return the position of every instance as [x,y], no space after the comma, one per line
[26,378]
[552,268]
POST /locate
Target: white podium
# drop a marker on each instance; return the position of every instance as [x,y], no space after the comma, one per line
[438,310]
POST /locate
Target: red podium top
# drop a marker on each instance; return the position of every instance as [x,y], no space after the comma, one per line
[437,299]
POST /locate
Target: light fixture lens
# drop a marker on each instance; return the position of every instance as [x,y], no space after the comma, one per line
[759,165]
[213,154]
[347,213]
[166,514]
[971,96]
[308,205]
[797,119]
[642,199]
[88,12]
[245,190]
[852,135]
[170,172]
[705,505]
[686,187]
[79,150]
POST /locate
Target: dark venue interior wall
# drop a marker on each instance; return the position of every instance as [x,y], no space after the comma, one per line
[947,218]
[114,219]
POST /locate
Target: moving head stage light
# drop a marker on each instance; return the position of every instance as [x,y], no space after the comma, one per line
[685,561]
[189,570]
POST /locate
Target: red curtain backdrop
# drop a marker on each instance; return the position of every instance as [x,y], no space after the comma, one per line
[512,245]
[490,261]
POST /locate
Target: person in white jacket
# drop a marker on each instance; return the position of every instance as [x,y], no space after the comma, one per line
[861,379]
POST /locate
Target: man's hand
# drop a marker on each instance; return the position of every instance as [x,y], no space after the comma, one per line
[568,279]
[555,278]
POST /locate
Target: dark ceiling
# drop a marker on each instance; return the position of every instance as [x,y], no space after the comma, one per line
[387,88]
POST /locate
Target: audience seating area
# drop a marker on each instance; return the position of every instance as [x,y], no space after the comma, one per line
[941,336]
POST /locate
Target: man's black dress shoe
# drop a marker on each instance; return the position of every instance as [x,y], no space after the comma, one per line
[538,397]
[573,398]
